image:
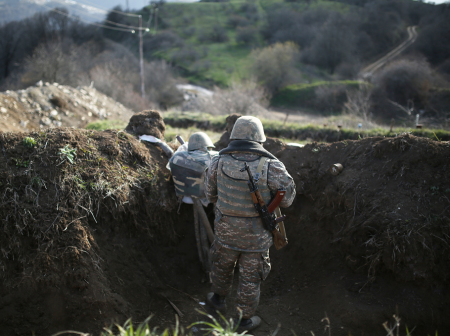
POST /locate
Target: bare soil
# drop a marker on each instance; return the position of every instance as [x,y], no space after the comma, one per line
[100,240]
[49,105]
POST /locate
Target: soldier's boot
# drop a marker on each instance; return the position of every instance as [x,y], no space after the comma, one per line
[216,302]
[249,324]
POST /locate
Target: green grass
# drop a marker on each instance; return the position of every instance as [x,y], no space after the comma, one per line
[304,95]
[295,132]
[185,133]
[102,125]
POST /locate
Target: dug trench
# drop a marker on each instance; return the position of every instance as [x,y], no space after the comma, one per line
[100,240]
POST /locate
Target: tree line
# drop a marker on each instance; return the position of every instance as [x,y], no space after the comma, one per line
[53,47]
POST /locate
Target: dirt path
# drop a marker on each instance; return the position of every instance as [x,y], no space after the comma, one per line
[369,70]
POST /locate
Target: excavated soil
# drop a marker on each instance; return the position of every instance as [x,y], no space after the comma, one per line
[100,240]
[48,105]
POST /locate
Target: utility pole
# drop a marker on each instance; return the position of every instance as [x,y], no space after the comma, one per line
[141,57]
[128,6]
[156,19]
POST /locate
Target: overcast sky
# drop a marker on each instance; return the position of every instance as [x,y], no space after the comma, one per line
[134,4]
[437,1]
[138,4]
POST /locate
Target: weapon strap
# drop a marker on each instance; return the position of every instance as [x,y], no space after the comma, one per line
[277,210]
[262,161]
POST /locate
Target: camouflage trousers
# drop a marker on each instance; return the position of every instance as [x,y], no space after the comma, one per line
[253,268]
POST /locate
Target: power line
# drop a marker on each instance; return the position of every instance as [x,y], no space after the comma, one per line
[105,9]
[131,29]
[140,28]
[108,21]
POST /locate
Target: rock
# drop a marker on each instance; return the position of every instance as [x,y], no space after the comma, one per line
[147,122]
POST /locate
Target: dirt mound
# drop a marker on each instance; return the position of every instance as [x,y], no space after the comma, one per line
[225,138]
[147,123]
[52,105]
[57,217]
[100,240]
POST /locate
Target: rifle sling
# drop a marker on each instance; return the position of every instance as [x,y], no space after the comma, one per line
[277,210]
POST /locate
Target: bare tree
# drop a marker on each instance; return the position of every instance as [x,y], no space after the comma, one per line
[358,102]
[51,63]
[245,98]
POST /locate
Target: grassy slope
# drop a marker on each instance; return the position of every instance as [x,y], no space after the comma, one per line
[301,94]
[228,61]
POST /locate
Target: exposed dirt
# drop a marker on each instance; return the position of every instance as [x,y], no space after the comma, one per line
[147,123]
[100,240]
[53,105]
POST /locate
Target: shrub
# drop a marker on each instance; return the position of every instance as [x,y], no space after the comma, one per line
[217,34]
[358,102]
[52,62]
[237,21]
[185,56]
[162,41]
[401,87]
[274,66]
[246,35]
[244,98]
[330,98]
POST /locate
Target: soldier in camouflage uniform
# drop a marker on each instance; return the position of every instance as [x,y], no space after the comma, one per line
[239,232]
[188,166]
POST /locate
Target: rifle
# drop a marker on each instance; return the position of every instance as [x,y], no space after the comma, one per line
[269,219]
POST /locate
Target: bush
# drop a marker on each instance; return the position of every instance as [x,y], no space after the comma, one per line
[358,103]
[321,96]
[274,66]
[333,45]
[53,62]
[237,21]
[217,34]
[162,41]
[246,35]
[245,98]
[330,98]
[185,56]
[400,88]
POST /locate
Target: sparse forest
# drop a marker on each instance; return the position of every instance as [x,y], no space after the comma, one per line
[286,47]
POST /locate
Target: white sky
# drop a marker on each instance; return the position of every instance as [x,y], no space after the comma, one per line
[437,1]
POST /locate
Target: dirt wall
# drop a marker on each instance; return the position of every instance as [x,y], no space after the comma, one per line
[100,240]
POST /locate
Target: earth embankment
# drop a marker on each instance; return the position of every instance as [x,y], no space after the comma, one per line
[100,240]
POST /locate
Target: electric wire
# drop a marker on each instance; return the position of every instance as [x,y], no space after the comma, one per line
[75,9]
[104,9]
[130,29]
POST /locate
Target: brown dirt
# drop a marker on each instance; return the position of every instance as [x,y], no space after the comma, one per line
[100,240]
[147,123]
[53,105]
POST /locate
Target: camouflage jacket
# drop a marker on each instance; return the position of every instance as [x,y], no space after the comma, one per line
[188,169]
[246,233]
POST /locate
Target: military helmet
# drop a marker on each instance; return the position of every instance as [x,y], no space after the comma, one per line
[199,140]
[248,128]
